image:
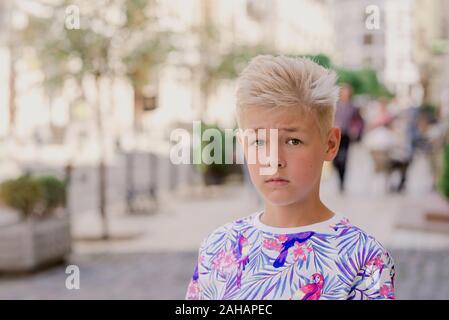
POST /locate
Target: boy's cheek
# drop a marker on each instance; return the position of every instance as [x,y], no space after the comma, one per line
[254,171]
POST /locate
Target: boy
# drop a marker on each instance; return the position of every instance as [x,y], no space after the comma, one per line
[295,248]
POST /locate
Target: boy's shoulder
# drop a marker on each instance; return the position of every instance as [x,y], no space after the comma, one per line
[229,229]
[353,240]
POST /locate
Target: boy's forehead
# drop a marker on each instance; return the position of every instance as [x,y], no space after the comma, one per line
[282,118]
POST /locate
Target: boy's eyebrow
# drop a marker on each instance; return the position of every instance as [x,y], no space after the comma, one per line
[292,129]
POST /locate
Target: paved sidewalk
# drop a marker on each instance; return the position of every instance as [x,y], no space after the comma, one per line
[419,275]
[184,220]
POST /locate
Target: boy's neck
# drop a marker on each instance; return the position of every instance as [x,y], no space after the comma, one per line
[298,214]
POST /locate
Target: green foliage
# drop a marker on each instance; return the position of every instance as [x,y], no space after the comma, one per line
[364,82]
[430,112]
[220,147]
[54,192]
[30,195]
[22,194]
[443,183]
[100,47]
[440,46]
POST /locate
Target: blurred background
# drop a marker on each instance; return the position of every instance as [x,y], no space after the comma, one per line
[90,92]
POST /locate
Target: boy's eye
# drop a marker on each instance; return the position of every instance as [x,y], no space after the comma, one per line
[259,143]
[294,141]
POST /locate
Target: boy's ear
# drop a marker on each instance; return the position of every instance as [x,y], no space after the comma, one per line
[332,144]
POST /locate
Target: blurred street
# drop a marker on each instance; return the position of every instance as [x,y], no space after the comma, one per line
[151,256]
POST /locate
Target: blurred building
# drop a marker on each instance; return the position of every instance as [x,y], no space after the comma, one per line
[387,49]
[5,22]
[175,95]
[431,50]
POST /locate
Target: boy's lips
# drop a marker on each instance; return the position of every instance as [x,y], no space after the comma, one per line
[276,181]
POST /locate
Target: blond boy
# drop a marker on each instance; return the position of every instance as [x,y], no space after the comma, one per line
[295,247]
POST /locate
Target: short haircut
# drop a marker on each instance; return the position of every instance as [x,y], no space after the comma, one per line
[280,81]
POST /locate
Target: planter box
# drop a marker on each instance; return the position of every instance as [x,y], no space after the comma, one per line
[30,244]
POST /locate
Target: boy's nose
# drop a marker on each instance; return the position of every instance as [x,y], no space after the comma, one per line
[281,162]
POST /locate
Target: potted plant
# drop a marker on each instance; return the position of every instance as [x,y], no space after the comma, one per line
[216,173]
[42,235]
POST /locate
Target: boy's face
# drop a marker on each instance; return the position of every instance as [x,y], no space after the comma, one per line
[300,154]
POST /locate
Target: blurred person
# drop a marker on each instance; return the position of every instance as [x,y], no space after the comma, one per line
[383,116]
[350,122]
[401,151]
[389,140]
[430,136]
[250,258]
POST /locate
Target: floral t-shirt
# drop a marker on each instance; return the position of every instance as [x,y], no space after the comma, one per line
[333,259]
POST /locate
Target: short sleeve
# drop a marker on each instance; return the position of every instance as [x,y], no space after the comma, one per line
[194,286]
[193,289]
[375,281]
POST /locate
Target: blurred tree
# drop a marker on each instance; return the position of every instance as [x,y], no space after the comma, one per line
[8,40]
[56,45]
[108,44]
[217,62]
[146,48]
[364,82]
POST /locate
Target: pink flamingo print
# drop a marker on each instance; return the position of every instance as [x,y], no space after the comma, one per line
[310,291]
[242,257]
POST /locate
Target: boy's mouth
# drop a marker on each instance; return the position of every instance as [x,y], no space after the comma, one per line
[276,181]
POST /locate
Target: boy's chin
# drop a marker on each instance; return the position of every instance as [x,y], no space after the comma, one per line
[280,200]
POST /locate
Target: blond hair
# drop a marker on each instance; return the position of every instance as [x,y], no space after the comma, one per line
[282,81]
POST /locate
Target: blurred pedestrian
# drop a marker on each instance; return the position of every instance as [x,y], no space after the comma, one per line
[390,141]
[383,116]
[351,124]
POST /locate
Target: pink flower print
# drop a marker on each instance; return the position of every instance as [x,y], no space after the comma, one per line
[215,264]
[282,237]
[299,253]
[193,290]
[224,261]
[376,262]
[201,259]
[272,244]
[386,291]
[228,259]
[345,221]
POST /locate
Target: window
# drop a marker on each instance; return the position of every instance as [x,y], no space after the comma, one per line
[368,39]
[368,61]
[149,103]
[256,10]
